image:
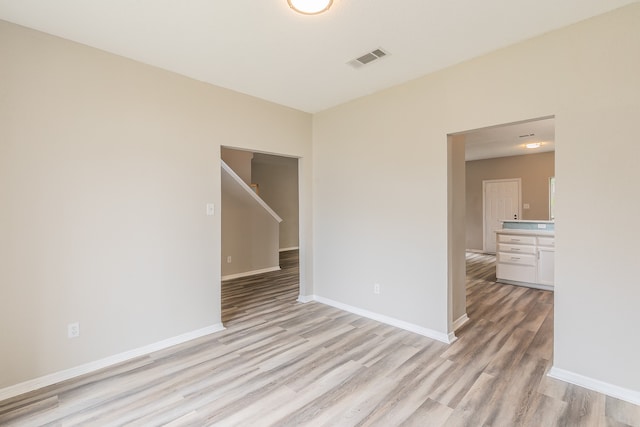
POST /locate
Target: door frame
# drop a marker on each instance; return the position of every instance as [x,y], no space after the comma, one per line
[484,211]
[305,285]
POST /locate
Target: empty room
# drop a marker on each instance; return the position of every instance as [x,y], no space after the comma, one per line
[132,294]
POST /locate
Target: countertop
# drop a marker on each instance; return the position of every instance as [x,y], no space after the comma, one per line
[541,232]
[529,221]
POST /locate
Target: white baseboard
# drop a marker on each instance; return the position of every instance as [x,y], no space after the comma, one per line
[305,299]
[460,321]
[292,248]
[429,333]
[526,284]
[249,273]
[56,377]
[631,396]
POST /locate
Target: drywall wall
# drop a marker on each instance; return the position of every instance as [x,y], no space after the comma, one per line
[239,161]
[277,179]
[106,166]
[250,233]
[381,202]
[457,211]
[534,171]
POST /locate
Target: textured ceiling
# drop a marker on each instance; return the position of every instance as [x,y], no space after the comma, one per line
[263,48]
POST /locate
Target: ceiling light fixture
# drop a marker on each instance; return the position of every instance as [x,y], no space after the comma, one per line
[310,7]
[533,145]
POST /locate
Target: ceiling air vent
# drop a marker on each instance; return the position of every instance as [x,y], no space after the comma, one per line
[367,58]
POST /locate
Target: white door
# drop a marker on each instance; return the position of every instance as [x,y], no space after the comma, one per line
[501,201]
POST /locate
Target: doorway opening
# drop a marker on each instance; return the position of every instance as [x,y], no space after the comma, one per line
[260,263]
[493,155]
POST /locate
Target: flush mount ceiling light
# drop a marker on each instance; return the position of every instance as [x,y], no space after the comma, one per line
[310,7]
[533,145]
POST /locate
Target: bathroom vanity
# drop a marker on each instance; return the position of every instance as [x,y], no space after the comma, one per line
[525,253]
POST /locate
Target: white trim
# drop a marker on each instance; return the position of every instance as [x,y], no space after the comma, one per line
[526,284]
[305,299]
[628,395]
[429,333]
[248,189]
[476,251]
[250,273]
[460,321]
[67,374]
[292,248]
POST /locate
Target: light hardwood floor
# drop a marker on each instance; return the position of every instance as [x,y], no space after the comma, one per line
[282,363]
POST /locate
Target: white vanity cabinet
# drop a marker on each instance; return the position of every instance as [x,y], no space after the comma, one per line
[525,257]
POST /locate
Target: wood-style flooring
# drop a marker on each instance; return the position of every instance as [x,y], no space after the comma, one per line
[283,363]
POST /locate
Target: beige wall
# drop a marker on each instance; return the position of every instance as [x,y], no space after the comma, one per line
[106,166]
[277,178]
[380,215]
[534,171]
[457,211]
[246,230]
[249,232]
[239,161]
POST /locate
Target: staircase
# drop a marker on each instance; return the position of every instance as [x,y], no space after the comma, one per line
[250,229]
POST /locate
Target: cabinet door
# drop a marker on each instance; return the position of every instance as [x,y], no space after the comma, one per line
[546,266]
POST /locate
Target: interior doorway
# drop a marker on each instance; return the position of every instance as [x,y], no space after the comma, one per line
[498,153]
[260,224]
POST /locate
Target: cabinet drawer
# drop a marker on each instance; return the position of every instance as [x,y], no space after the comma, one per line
[516,239]
[547,241]
[516,249]
[520,259]
[518,273]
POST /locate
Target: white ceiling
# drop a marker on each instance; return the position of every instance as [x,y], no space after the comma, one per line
[263,48]
[510,140]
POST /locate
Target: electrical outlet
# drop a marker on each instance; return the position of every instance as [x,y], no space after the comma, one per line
[229,259]
[73,330]
[376,288]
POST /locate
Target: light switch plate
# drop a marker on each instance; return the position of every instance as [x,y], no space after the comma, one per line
[210,209]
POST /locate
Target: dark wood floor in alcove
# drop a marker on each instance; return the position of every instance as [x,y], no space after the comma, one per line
[282,363]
